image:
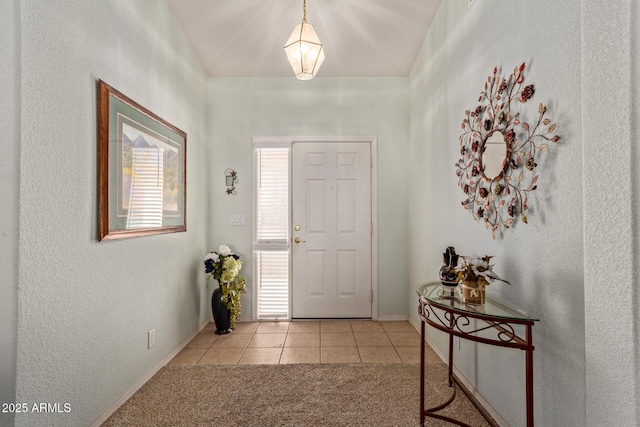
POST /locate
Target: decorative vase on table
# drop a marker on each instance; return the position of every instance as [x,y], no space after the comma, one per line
[475,273]
[448,276]
[472,292]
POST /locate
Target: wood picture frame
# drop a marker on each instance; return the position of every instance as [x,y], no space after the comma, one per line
[142,170]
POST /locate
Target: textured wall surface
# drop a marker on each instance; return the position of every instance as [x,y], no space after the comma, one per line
[576,262]
[635,151]
[542,259]
[610,73]
[85,307]
[243,108]
[9,190]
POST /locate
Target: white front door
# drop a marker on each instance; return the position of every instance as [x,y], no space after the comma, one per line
[332,228]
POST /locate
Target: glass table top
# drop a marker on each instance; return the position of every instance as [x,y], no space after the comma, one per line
[435,292]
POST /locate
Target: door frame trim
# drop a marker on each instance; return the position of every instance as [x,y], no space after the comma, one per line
[373,141]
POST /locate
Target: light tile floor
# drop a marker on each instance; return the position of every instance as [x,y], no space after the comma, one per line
[339,341]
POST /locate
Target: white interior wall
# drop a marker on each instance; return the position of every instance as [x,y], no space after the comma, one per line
[610,121]
[75,339]
[85,307]
[242,108]
[9,190]
[635,152]
[447,80]
[575,253]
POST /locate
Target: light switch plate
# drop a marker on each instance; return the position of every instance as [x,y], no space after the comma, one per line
[236,219]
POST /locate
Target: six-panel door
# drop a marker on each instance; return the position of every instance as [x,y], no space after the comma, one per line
[331,235]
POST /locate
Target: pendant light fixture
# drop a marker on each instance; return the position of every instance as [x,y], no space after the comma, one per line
[304,49]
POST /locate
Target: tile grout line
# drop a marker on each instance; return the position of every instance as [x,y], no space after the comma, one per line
[255,332]
[244,350]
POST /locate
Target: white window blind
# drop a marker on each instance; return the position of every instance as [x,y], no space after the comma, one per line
[273,284]
[272,216]
[271,238]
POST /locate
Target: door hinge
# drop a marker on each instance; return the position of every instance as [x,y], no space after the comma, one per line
[371,295]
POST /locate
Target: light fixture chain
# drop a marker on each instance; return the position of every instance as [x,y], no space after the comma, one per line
[304,10]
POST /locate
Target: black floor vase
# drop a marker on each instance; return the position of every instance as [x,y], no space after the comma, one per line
[221,315]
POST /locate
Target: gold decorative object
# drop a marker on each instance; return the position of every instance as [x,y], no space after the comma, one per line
[474,275]
[473,292]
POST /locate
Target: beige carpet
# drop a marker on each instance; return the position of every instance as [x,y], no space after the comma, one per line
[291,395]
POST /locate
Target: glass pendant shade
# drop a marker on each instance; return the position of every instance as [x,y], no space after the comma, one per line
[304,51]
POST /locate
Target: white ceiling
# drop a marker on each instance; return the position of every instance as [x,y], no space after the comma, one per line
[361,38]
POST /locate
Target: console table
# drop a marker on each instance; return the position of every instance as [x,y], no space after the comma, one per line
[445,311]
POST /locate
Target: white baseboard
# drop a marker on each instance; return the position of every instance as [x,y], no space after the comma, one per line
[472,389]
[379,319]
[393,318]
[131,391]
[415,324]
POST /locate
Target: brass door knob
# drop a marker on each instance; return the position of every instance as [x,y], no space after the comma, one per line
[299,240]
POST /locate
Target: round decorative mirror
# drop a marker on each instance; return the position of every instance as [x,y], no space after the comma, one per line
[494,155]
[499,149]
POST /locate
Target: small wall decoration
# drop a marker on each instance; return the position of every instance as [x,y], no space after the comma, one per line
[231,179]
[499,148]
[142,169]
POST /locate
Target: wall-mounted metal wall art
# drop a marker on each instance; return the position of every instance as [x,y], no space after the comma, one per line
[499,148]
[231,179]
[142,170]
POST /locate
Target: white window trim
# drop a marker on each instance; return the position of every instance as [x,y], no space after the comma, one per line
[257,246]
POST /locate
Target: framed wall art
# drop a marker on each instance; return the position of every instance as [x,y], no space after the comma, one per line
[142,165]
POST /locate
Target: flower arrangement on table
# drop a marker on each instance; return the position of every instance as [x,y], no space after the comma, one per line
[224,266]
[474,274]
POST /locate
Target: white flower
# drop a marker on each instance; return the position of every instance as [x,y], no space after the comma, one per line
[212,256]
[224,250]
[481,263]
[477,268]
